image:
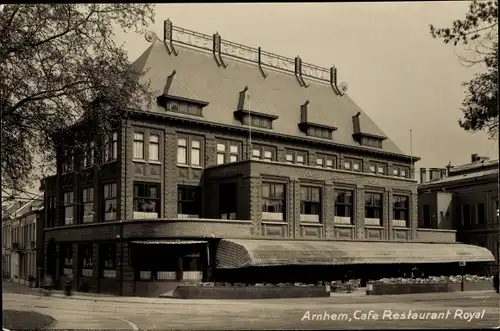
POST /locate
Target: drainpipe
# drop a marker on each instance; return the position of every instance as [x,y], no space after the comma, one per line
[498,199]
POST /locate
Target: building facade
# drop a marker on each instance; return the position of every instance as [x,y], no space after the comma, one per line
[22,238]
[246,165]
[464,198]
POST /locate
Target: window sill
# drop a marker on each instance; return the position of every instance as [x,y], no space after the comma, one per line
[154,162]
[343,225]
[270,222]
[139,161]
[369,226]
[318,224]
[181,165]
[401,227]
[108,162]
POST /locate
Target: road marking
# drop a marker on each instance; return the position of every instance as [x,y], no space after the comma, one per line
[132,325]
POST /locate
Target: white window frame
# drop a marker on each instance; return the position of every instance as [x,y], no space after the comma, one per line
[154,148]
[69,203]
[110,193]
[138,152]
[87,200]
[190,146]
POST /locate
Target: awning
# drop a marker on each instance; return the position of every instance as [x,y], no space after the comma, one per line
[240,253]
[169,242]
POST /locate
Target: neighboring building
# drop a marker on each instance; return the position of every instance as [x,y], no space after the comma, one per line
[464,198]
[248,167]
[22,235]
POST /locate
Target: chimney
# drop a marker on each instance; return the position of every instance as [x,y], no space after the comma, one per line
[435,174]
[448,168]
[443,173]
[423,175]
[474,157]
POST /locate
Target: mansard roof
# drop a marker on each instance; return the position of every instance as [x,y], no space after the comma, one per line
[186,71]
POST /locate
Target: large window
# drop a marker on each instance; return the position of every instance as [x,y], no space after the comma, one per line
[403,172]
[87,205]
[110,202]
[86,260]
[189,151]
[66,257]
[352,165]
[146,200]
[68,161]
[426,211]
[228,201]
[188,202]
[296,157]
[400,211]
[344,204]
[228,151]
[265,153]
[51,212]
[88,155]
[378,168]
[138,145]
[373,208]
[107,258]
[326,161]
[110,152]
[68,208]
[154,148]
[310,204]
[273,201]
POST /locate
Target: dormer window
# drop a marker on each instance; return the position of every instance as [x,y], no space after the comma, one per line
[253,113]
[184,108]
[371,142]
[314,129]
[363,132]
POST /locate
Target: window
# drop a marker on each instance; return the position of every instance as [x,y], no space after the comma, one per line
[110,202]
[227,152]
[189,151]
[258,121]
[110,152]
[154,148]
[86,260]
[188,202]
[373,208]
[473,214]
[344,207]
[138,146]
[227,201]
[372,142]
[319,132]
[400,208]
[51,211]
[68,162]
[326,161]
[296,157]
[426,210]
[352,165]
[401,172]
[87,205]
[66,257]
[146,200]
[273,201]
[265,153]
[68,208]
[88,155]
[378,168]
[184,108]
[466,219]
[107,260]
[310,204]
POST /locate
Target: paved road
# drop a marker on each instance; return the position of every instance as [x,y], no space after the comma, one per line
[131,314]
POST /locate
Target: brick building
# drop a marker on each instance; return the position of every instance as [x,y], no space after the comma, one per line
[464,198]
[247,167]
[22,239]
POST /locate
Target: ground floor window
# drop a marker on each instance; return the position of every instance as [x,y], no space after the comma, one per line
[310,204]
[400,211]
[344,207]
[273,201]
[188,202]
[107,258]
[146,200]
[66,259]
[86,260]
[227,201]
[373,208]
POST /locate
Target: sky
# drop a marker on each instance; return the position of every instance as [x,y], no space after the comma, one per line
[396,72]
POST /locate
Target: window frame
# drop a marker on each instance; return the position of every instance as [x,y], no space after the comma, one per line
[273,198]
[140,143]
[352,162]
[104,258]
[308,202]
[397,171]
[88,155]
[227,150]
[196,190]
[257,121]
[68,164]
[295,155]
[110,151]
[346,205]
[184,108]
[85,259]
[86,198]
[377,166]
[222,209]
[69,203]
[372,208]
[481,220]
[157,199]
[262,152]
[156,144]
[109,194]
[65,257]
[426,217]
[371,142]
[188,148]
[325,158]
[51,211]
[398,209]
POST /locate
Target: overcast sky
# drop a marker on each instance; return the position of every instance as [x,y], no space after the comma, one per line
[401,77]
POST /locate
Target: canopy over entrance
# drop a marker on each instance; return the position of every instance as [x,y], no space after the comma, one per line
[239,253]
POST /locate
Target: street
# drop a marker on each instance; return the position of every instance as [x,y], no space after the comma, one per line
[98,312]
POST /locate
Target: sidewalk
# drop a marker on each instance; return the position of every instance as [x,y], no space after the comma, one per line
[356,297]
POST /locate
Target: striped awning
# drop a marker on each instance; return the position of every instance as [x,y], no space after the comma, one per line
[169,242]
[246,253]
